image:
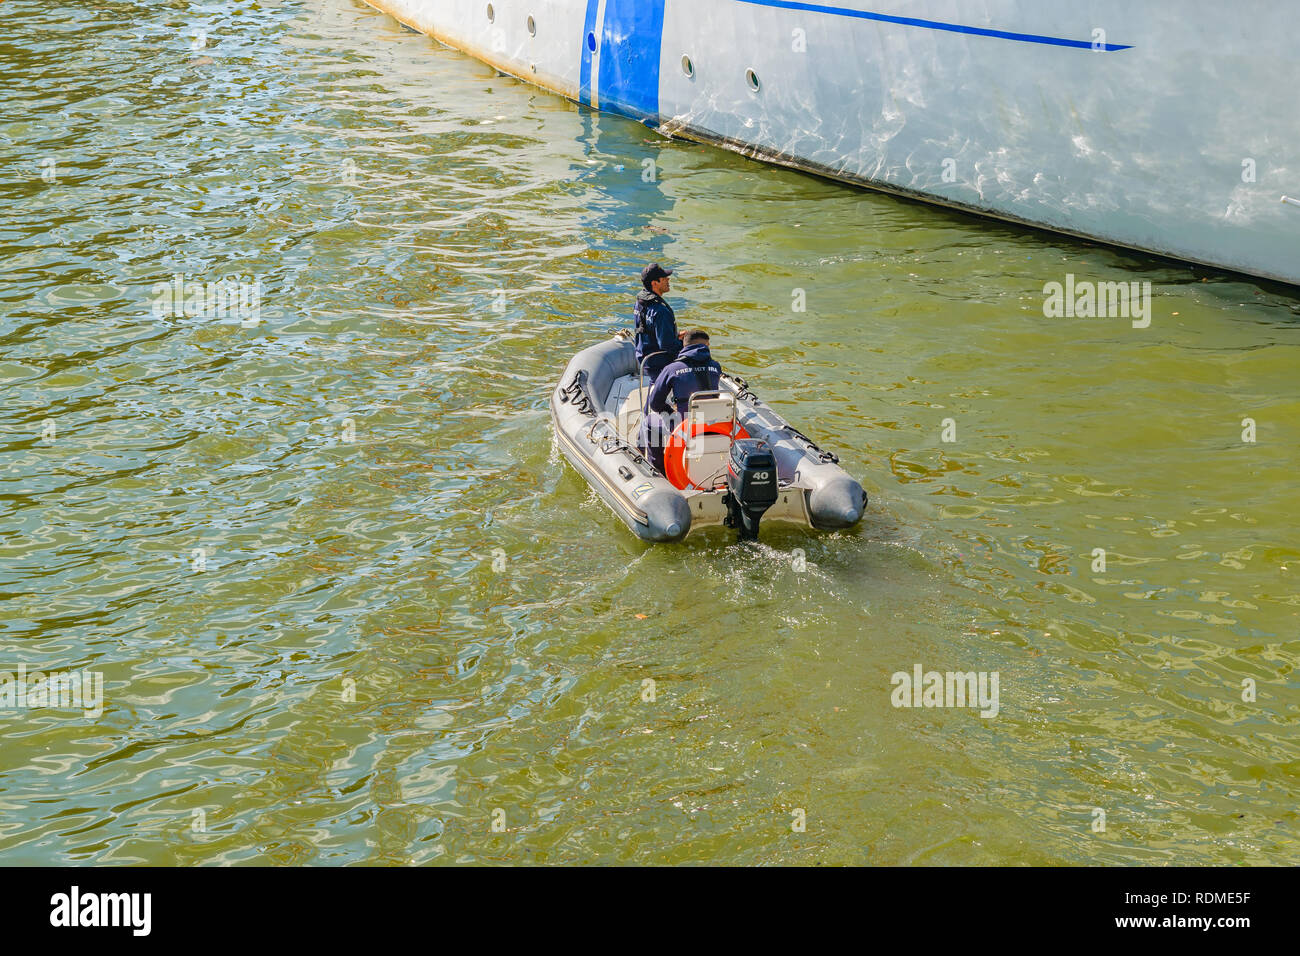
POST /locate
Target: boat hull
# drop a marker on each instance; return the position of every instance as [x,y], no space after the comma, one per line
[1166,128]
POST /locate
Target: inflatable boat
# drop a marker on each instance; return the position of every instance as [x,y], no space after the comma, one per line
[731,461]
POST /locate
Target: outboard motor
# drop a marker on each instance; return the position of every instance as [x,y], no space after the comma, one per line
[751,485]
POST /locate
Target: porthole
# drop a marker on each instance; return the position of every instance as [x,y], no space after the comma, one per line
[752,79]
[687,66]
[492,14]
[591,42]
[532,27]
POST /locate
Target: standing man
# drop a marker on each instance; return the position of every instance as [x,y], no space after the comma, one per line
[655,323]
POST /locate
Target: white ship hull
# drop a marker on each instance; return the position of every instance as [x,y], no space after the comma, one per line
[1167,127]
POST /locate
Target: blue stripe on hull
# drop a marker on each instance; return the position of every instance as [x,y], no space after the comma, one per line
[936,25]
[629,58]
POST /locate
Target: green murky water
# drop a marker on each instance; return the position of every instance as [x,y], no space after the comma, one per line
[184,513]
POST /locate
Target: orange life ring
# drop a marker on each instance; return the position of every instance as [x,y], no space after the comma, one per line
[675,450]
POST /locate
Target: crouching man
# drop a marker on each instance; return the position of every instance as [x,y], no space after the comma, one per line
[670,396]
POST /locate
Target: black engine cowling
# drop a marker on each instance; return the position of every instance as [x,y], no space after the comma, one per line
[751,484]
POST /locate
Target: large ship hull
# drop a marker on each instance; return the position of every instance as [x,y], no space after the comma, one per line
[1167,127]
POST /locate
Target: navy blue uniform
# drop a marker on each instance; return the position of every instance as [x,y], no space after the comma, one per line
[656,331]
[670,397]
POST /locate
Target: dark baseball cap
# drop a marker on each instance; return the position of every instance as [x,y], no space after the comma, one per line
[653,271]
